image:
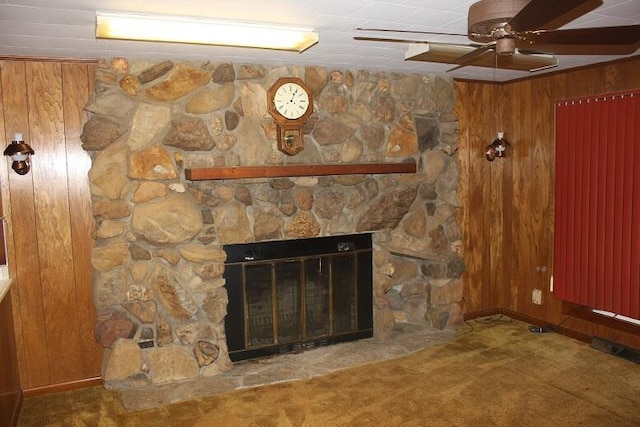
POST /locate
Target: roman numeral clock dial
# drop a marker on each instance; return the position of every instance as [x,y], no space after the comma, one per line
[290,103]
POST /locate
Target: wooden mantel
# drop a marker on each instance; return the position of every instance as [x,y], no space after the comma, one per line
[241,172]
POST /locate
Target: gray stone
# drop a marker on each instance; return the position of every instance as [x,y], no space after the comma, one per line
[189,133]
[114,325]
[231,119]
[156,71]
[387,212]
[329,203]
[224,73]
[139,253]
[428,132]
[99,132]
[331,132]
[215,305]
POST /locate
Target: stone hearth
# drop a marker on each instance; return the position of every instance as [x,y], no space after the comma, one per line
[157,259]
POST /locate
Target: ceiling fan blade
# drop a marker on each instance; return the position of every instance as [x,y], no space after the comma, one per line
[468,57]
[537,13]
[622,35]
[386,30]
[384,39]
[448,53]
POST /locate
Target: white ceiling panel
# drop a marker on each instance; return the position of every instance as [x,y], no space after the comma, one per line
[65,28]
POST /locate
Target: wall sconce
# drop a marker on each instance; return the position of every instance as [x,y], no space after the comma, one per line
[497,148]
[19,151]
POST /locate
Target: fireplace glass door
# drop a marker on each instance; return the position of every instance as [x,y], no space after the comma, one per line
[279,302]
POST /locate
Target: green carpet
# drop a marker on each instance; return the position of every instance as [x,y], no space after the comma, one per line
[494,373]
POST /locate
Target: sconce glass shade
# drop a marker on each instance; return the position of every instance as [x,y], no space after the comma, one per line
[498,148]
[19,151]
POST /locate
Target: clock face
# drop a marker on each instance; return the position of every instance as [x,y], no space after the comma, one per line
[291,101]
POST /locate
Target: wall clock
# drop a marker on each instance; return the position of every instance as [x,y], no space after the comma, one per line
[290,103]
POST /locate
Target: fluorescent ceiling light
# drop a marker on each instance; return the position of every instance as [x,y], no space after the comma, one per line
[159,28]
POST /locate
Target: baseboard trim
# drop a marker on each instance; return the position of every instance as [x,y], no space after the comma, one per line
[14,413]
[57,388]
[481,313]
[532,320]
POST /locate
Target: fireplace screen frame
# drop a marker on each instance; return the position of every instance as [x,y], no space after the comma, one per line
[315,258]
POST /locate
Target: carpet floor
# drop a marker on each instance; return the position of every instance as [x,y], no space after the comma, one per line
[495,372]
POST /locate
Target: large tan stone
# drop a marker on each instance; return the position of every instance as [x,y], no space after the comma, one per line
[266,227]
[108,174]
[149,190]
[201,253]
[210,99]
[182,80]
[110,255]
[110,228]
[111,209]
[434,162]
[148,121]
[171,363]
[416,224]
[171,219]
[122,361]
[232,223]
[152,163]
[402,142]
[254,100]
[111,103]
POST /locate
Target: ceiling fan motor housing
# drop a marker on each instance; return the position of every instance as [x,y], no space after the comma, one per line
[487,20]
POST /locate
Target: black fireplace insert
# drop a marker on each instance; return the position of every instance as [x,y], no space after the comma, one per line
[292,295]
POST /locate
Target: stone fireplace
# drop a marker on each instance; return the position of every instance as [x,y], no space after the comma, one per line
[158,259]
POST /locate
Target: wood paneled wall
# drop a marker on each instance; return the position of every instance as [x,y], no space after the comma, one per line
[50,224]
[508,204]
[10,391]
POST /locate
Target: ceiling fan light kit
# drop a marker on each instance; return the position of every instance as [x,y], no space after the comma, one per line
[513,35]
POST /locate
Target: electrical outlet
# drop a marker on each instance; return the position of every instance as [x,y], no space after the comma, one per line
[536,296]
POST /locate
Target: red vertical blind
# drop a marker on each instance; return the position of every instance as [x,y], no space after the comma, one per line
[597,218]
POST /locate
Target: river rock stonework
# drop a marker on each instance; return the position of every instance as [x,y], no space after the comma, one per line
[158,260]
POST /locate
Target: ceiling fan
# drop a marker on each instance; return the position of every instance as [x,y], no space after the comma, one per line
[511,34]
